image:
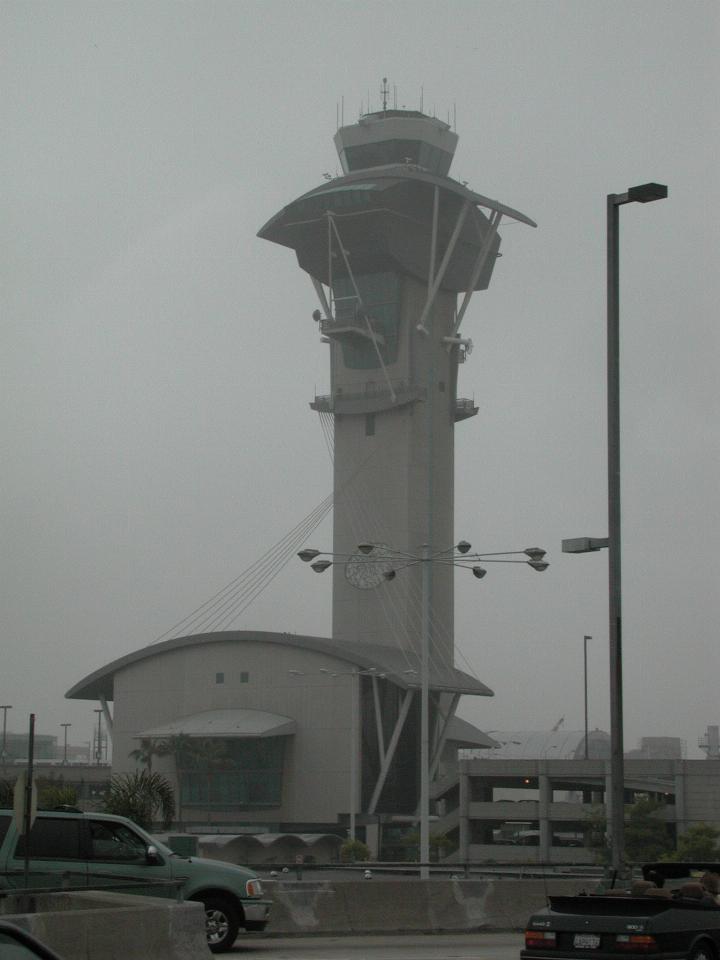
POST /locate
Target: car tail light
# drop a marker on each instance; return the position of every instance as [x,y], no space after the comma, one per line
[540,939]
[253,888]
[636,942]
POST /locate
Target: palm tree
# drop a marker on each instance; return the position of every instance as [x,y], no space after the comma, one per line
[140,796]
[148,749]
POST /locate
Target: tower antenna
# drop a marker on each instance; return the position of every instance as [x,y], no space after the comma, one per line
[384,92]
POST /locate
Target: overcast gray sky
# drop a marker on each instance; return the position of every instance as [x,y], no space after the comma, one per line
[158,359]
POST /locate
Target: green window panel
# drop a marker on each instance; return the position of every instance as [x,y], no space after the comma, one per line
[226,773]
[380,293]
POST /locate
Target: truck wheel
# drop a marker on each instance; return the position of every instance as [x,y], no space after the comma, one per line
[702,951]
[222,922]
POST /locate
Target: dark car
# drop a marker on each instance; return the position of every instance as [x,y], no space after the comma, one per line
[17,944]
[668,916]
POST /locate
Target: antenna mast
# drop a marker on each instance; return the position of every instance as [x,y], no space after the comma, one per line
[384,91]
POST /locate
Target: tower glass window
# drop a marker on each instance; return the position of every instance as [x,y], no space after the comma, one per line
[383,152]
[380,294]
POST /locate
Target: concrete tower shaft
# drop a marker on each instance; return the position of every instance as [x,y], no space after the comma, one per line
[395,249]
[394,473]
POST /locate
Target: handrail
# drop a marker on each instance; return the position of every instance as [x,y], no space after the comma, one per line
[67,875]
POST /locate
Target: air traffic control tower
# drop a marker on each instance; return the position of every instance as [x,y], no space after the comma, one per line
[395,249]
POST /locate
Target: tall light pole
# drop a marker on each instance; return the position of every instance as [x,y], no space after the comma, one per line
[645,193]
[4,707]
[389,563]
[585,684]
[65,740]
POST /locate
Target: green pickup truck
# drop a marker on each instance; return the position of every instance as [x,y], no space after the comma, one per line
[98,850]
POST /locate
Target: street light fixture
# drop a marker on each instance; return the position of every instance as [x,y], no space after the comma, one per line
[644,193]
[98,751]
[585,685]
[460,556]
[4,707]
[65,740]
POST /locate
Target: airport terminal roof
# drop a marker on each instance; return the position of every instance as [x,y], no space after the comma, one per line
[558,744]
[401,666]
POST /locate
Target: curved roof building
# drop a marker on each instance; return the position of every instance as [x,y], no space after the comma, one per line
[261,726]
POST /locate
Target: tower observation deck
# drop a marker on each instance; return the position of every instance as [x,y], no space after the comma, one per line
[395,249]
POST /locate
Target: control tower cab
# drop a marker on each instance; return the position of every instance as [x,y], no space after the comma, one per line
[396,136]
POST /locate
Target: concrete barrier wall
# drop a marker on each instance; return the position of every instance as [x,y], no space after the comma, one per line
[111,926]
[379,906]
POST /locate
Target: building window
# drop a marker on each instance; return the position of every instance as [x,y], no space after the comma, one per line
[232,774]
[380,298]
[369,424]
[244,677]
[219,678]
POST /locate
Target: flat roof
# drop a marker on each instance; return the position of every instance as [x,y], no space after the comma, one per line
[231,722]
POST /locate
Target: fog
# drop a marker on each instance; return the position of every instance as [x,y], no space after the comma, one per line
[158,358]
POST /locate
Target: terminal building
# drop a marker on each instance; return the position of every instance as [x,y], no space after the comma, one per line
[276,717]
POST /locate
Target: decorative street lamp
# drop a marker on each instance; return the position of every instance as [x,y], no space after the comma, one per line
[387,564]
[645,193]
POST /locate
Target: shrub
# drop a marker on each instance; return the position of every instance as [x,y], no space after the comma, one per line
[353,850]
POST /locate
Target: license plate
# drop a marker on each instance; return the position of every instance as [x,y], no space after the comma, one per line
[586,941]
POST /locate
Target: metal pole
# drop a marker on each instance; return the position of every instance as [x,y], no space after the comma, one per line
[65,727]
[5,708]
[424,718]
[27,812]
[355,706]
[585,640]
[617,774]
[98,751]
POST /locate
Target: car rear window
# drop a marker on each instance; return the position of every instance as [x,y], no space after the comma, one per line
[52,839]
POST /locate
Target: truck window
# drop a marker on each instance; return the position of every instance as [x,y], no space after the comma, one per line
[52,839]
[4,824]
[116,842]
